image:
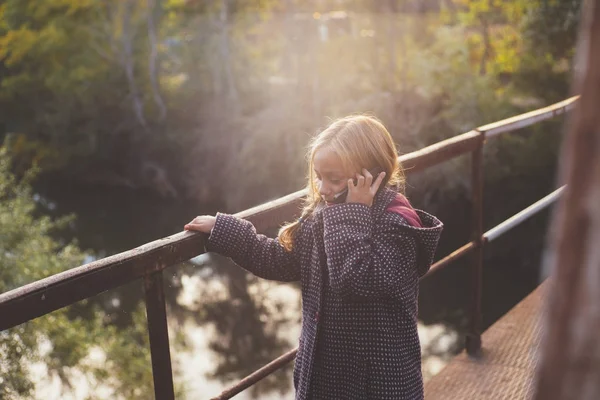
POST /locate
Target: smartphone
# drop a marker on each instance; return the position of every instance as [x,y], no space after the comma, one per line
[341,196]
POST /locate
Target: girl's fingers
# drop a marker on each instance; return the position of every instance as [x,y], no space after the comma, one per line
[360,180]
[195,227]
[199,219]
[368,177]
[378,181]
[201,223]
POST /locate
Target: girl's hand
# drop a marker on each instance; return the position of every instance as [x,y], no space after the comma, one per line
[365,189]
[203,223]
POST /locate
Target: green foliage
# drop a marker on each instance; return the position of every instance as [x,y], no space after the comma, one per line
[549,36]
[27,245]
[28,253]
[115,90]
[469,99]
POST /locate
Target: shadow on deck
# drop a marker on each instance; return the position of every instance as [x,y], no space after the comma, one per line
[506,367]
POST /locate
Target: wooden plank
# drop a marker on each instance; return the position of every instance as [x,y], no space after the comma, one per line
[506,366]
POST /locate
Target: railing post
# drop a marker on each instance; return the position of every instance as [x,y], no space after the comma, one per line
[159,336]
[473,339]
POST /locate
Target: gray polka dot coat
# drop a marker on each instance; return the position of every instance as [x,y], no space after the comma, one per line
[359,267]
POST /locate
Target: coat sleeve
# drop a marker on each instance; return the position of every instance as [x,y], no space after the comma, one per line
[264,257]
[364,262]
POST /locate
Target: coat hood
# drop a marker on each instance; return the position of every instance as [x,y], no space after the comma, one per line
[427,236]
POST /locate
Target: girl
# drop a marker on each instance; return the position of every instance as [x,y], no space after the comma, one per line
[359,264]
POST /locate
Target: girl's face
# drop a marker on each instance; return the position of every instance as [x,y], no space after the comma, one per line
[331,178]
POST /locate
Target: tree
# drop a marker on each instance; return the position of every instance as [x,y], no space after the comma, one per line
[28,252]
[570,353]
[549,35]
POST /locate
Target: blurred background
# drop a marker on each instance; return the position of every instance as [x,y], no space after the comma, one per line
[121,120]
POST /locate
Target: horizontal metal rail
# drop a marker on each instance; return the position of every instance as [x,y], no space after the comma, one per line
[456,254]
[439,152]
[529,212]
[530,118]
[498,230]
[258,375]
[60,290]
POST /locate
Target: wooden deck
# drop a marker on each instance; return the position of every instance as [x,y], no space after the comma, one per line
[506,368]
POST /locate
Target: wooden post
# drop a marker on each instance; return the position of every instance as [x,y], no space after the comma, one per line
[569,367]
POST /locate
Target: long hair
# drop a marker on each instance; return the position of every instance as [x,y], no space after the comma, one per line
[360,141]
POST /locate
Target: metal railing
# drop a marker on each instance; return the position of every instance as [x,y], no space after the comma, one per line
[148,261]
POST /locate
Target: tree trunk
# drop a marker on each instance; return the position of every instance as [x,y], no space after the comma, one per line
[404,54]
[392,38]
[485,32]
[232,94]
[152,58]
[570,353]
[128,62]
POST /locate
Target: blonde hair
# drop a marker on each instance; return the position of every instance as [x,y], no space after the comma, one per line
[361,141]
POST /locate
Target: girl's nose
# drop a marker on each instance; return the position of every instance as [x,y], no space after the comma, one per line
[324,190]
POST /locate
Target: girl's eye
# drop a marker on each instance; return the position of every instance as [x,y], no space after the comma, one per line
[335,181]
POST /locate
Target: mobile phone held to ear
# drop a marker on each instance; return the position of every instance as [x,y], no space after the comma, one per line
[341,196]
